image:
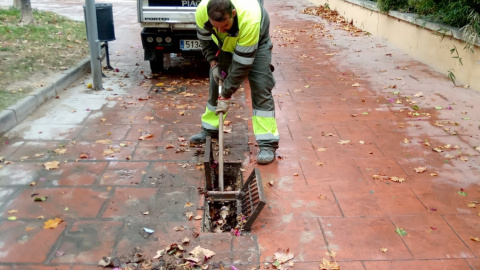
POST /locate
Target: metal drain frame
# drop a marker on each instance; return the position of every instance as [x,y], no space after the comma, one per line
[250,198]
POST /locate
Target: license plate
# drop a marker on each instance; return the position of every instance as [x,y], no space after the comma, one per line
[189,45]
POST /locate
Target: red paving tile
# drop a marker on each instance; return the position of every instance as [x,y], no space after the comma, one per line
[172,150]
[149,132]
[72,174]
[427,235]
[301,235]
[364,243]
[27,241]
[124,173]
[38,267]
[103,132]
[174,174]
[466,227]
[87,242]
[71,202]
[370,200]
[327,171]
[418,264]
[104,149]
[20,173]
[35,151]
[132,202]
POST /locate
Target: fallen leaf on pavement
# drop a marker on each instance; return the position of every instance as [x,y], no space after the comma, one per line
[400,231]
[476,239]
[283,256]
[420,169]
[188,204]
[384,250]
[52,223]
[51,165]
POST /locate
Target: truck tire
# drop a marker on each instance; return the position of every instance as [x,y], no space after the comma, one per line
[156,65]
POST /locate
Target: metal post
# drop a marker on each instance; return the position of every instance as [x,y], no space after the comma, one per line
[95,60]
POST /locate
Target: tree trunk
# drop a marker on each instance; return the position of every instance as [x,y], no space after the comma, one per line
[27,13]
[17,3]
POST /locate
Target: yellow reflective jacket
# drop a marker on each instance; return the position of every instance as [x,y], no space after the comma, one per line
[250,29]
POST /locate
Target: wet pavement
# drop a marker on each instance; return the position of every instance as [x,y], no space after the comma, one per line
[378,161]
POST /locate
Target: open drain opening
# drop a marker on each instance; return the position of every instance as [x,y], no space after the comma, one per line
[236,208]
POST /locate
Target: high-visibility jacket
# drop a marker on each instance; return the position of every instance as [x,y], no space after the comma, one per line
[242,40]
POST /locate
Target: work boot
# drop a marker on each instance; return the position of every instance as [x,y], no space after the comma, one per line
[201,137]
[265,156]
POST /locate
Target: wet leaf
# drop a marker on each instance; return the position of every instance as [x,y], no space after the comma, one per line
[420,169]
[60,151]
[400,231]
[397,179]
[51,165]
[328,265]
[160,253]
[40,199]
[283,256]
[104,141]
[52,223]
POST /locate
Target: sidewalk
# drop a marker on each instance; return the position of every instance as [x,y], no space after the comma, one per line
[359,172]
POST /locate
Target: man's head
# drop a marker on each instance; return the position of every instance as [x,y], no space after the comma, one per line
[221,14]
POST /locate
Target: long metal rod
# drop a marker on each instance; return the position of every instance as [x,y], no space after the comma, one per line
[220,142]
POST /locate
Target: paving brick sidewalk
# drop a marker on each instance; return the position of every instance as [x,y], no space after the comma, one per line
[350,174]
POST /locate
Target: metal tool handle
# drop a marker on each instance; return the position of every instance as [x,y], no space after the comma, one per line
[220,142]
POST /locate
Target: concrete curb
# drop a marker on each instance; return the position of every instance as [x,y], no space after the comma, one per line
[15,114]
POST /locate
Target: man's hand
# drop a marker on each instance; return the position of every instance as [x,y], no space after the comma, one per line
[222,105]
[216,72]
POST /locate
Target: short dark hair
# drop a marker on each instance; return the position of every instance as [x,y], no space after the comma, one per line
[217,9]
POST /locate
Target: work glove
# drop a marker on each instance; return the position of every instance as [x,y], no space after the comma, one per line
[216,73]
[222,105]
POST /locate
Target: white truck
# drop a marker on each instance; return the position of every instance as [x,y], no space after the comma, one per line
[168,27]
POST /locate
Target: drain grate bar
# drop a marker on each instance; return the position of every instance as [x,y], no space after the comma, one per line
[252,198]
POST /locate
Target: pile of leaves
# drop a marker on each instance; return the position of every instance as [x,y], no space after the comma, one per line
[173,257]
[333,16]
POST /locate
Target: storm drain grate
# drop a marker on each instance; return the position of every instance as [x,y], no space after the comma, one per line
[168,89]
[251,199]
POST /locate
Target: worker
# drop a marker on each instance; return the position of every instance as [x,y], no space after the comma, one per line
[235,40]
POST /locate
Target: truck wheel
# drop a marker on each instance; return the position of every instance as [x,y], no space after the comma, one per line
[156,66]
